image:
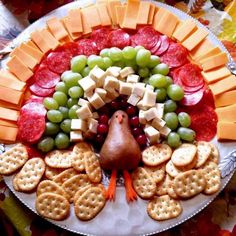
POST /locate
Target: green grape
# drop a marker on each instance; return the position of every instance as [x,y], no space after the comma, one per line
[104,52]
[66,125]
[158,81]
[184,119]
[50,103]
[51,128]
[137,48]
[129,53]
[72,79]
[115,54]
[161,94]
[60,97]
[71,102]
[131,63]
[94,60]
[62,141]
[54,116]
[161,68]
[173,140]
[65,73]
[169,81]
[186,134]
[75,92]
[171,120]
[46,144]
[154,61]
[143,57]
[78,63]
[170,106]
[85,71]
[64,111]
[72,112]
[61,86]
[143,72]
[146,80]
[107,62]
[120,64]
[175,92]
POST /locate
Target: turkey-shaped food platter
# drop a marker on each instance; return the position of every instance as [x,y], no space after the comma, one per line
[117,118]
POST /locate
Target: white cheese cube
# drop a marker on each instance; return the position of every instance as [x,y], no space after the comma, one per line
[113,71]
[150,114]
[87,84]
[83,102]
[101,92]
[98,75]
[126,71]
[149,87]
[95,115]
[152,134]
[125,88]
[133,99]
[160,110]
[138,89]
[96,101]
[88,94]
[112,94]
[149,98]
[164,131]
[79,124]
[107,100]
[76,136]
[133,79]
[111,83]
[141,116]
[92,125]
[84,112]
[158,123]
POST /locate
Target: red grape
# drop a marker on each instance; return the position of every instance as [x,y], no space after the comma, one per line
[123,103]
[137,131]
[134,121]
[99,138]
[103,119]
[104,111]
[102,129]
[142,140]
[131,110]
[115,105]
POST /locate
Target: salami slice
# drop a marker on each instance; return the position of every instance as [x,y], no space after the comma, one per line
[34,108]
[175,56]
[100,37]
[71,48]
[45,78]
[58,62]
[164,45]
[34,98]
[87,47]
[119,38]
[33,152]
[191,99]
[41,92]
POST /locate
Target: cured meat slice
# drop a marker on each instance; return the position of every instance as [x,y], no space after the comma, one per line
[34,108]
[33,152]
[191,99]
[41,92]
[87,47]
[100,37]
[71,48]
[164,45]
[34,98]
[118,38]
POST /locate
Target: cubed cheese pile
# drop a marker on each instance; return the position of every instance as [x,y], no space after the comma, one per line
[101,87]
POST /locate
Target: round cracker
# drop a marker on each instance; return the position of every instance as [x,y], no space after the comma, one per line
[203,153]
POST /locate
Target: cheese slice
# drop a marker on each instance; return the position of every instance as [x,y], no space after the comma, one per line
[92,16]
[8,134]
[111,6]
[227,113]
[131,14]
[75,26]
[57,29]
[103,14]
[214,61]
[201,49]
[10,95]
[33,52]
[30,43]
[86,27]
[223,85]
[50,39]
[195,39]
[7,79]
[152,12]
[159,13]
[143,13]
[20,70]
[40,41]
[24,57]
[120,14]
[211,52]
[10,105]
[8,114]
[8,123]
[226,99]
[73,36]
[216,74]
[186,28]
[226,130]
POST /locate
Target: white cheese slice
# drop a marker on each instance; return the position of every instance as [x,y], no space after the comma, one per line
[125,88]
[84,112]
[87,84]
[98,75]
[101,92]
[164,131]
[133,79]
[76,136]
[79,124]
[96,101]
[92,125]
[149,98]
[113,71]
[126,71]
[152,134]
[133,99]
[112,94]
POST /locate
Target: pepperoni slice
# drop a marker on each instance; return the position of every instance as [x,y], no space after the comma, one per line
[191,99]
[45,78]
[34,98]
[119,38]
[175,56]
[34,108]
[88,47]
[164,45]
[41,92]
[71,48]
[100,37]
[58,62]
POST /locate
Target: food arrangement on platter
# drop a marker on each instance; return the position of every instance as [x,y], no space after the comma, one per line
[118,92]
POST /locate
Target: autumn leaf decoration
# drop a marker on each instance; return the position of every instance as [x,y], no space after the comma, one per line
[195,6]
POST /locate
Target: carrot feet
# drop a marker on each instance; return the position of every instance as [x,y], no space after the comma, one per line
[111,191]
[130,193]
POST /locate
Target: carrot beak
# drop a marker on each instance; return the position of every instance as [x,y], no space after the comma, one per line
[120,119]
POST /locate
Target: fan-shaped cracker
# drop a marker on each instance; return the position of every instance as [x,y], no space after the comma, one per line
[215,155]
[90,203]
[203,153]
[13,159]
[30,174]
[157,172]
[65,175]
[163,208]
[52,206]
[51,173]
[156,154]
[143,183]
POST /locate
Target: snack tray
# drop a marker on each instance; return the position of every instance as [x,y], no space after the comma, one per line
[119,217]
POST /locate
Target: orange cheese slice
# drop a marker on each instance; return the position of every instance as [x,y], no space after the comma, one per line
[92,16]
[50,39]
[86,27]
[111,6]
[10,95]
[216,74]
[8,134]
[7,79]
[201,49]
[20,70]
[186,28]
[223,85]
[24,57]
[10,105]
[226,99]
[57,28]
[131,14]
[32,44]
[75,21]
[195,39]
[120,14]
[211,52]
[214,61]
[8,114]
[33,52]
[226,130]
[73,36]
[227,113]
[103,14]
[143,13]
[8,123]
[152,12]
[40,41]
